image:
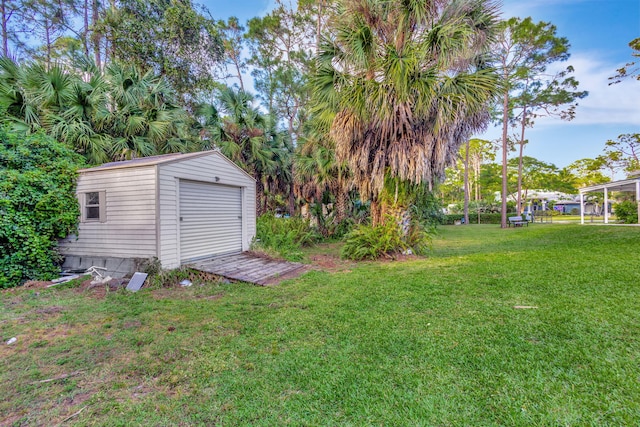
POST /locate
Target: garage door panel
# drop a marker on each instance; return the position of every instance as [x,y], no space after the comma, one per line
[210,220]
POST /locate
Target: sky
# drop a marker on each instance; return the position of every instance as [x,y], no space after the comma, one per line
[599,32]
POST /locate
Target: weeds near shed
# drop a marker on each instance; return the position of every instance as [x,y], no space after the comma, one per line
[284,236]
[385,240]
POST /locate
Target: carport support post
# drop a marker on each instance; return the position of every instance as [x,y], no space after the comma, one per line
[582,208]
[638,198]
[606,205]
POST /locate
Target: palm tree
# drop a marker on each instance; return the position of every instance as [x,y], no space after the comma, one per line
[402,86]
[144,120]
[112,115]
[243,138]
[318,172]
[17,108]
[207,125]
[279,182]
[55,100]
[76,123]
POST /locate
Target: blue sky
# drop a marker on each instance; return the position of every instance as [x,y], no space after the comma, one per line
[599,32]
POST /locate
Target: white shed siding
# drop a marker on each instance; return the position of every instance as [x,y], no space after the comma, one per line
[203,169]
[130,227]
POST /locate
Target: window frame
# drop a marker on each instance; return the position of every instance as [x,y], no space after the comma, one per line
[84,206]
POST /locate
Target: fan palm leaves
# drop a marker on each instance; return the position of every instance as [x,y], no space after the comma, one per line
[18,108]
[249,138]
[318,171]
[400,85]
[207,125]
[279,175]
[243,136]
[115,114]
[143,119]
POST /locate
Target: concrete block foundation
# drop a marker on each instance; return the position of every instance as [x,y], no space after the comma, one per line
[116,267]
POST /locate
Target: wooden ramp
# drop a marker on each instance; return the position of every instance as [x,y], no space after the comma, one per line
[250,268]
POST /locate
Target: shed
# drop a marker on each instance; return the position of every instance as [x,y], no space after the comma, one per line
[178,208]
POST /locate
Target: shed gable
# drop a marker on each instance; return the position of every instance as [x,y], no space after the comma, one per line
[212,168]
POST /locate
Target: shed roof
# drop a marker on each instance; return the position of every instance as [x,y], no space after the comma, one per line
[162,159]
[148,161]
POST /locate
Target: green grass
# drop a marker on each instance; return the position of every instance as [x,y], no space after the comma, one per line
[429,342]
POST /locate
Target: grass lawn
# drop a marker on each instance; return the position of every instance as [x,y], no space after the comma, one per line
[425,342]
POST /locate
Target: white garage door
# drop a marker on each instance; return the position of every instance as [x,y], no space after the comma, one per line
[210,220]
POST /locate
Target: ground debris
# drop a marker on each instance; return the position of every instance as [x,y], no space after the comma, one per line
[136,282]
[72,415]
[58,378]
[63,279]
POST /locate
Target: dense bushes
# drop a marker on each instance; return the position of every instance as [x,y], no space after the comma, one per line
[626,211]
[284,236]
[386,239]
[37,205]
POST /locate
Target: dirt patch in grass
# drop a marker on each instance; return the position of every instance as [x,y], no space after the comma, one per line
[332,263]
[36,284]
[49,310]
[211,297]
[400,258]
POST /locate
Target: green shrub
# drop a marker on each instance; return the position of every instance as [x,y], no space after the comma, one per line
[284,236]
[386,239]
[426,207]
[336,231]
[38,205]
[626,211]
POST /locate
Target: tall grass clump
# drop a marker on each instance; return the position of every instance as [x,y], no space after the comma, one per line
[387,239]
[284,237]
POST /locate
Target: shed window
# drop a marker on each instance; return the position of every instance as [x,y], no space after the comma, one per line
[94,206]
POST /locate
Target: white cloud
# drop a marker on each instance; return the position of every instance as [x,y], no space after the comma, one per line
[523,9]
[606,104]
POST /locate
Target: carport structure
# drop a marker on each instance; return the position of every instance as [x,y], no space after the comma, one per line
[628,185]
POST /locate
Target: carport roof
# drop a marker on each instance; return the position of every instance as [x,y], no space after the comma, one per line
[623,185]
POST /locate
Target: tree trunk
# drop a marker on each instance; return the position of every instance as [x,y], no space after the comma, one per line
[505,147]
[376,213]
[292,198]
[259,197]
[476,173]
[524,121]
[85,30]
[96,37]
[466,184]
[47,33]
[342,200]
[5,22]
[237,65]
[319,25]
